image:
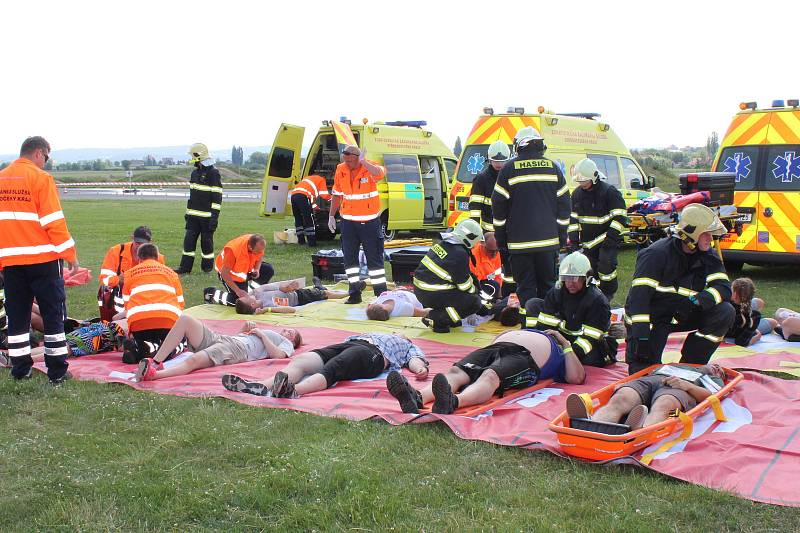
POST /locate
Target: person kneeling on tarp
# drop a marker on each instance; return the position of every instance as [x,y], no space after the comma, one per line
[653,398]
[516,359]
[283,297]
[212,349]
[358,357]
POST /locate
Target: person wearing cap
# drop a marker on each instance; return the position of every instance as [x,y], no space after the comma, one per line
[531,207]
[443,282]
[118,260]
[597,222]
[679,284]
[576,308]
[202,210]
[480,203]
[355,197]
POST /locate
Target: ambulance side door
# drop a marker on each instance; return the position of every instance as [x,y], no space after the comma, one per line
[779,200]
[404,188]
[746,163]
[283,170]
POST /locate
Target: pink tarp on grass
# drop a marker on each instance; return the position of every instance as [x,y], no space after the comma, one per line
[755,454]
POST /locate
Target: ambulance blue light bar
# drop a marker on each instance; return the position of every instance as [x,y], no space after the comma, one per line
[777,103]
[409,123]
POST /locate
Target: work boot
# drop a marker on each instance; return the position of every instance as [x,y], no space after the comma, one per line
[355,292]
[208,294]
[181,271]
[130,351]
[409,398]
[58,381]
[445,402]
[438,327]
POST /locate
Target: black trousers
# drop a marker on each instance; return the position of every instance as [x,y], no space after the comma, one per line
[44,282]
[604,264]
[198,227]
[265,273]
[304,224]
[698,347]
[368,235]
[509,283]
[534,273]
[354,359]
[448,307]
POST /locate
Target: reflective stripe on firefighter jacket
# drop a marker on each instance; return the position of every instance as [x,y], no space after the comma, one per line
[32,226]
[359,192]
[480,201]
[314,187]
[205,193]
[598,216]
[583,318]
[485,267]
[114,262]
[238,258]
[530,204]
[444,268]
[664,280]
[153,296]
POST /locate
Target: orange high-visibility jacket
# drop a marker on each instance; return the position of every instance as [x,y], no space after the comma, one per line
[238,258]
[313,186]
[153,296]
[32,225]
[359,192]
[114,262]
[486,267]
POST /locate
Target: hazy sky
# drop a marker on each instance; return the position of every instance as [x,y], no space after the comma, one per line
[126,74]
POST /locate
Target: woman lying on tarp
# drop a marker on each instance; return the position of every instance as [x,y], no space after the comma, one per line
[653,398]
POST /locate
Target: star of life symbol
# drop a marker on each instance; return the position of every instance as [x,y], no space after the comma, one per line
[475,163]
[786,167]
[740,164]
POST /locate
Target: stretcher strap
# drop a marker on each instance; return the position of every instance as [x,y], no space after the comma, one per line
[687,430]
[588,402]
[717,408]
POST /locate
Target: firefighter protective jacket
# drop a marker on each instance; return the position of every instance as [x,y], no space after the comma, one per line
[205,193]
[359,192]
[153,296]
[583,318]
[238,258]
[530,204]
[598,216]
[32,226]
[480,201]
[667,280]
[119,259]
[444,268]
[314,187]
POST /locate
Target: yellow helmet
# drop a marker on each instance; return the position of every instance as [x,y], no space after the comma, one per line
[696,219]
[586,170]
[199,152]
[498,151]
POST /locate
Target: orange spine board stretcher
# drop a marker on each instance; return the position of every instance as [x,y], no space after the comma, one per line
[602,447]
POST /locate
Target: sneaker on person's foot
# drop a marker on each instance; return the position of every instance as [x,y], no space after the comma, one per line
[282,387]
[410,398]
[147,369]
[58,381]
[636,417]
[5,360]
[130,351]
[576,407]
[317,283]
[234,383]
[445,402]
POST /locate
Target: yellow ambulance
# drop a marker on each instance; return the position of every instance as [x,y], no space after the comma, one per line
[419,168]
[569,137]
[762,147]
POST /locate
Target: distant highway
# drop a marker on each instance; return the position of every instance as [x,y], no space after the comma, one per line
[172,193]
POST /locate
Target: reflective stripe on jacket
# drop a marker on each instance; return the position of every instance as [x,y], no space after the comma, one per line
[153,296]
[114,263]
[359,192]
[238,258]
[314,187]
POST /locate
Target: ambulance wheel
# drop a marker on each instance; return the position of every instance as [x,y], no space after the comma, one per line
[388,234]
[734,266]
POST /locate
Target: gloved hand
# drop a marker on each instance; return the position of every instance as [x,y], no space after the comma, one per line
[212,224]
[332,224]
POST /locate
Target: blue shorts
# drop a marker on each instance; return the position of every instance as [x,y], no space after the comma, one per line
[556,367]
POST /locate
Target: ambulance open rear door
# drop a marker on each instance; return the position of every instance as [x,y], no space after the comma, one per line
[283,170]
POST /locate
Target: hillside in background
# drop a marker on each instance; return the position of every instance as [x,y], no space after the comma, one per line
[178,153]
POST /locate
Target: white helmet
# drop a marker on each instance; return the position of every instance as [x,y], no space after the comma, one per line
[696,219]
[525,136]
[575,264]
[498,151]
[586,170]
[468,232]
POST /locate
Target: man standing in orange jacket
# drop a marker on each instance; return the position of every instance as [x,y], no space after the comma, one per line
[304,198]
[34,239]
[355,190]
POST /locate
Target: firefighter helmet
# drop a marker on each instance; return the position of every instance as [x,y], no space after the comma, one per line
[696,219]
[498,151]
[575,264]
[586,170]
[468,232]
[525,136]
[199,152]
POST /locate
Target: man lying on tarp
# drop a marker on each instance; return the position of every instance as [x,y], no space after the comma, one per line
[277,297]
[515,360]
[212,349]
[653,398]
[363,356]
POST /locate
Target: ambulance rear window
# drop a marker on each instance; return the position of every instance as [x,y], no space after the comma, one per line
[607,164]
[473,161]
[743,161]
[783,168]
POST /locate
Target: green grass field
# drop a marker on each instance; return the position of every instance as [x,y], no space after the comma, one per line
[103,457]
